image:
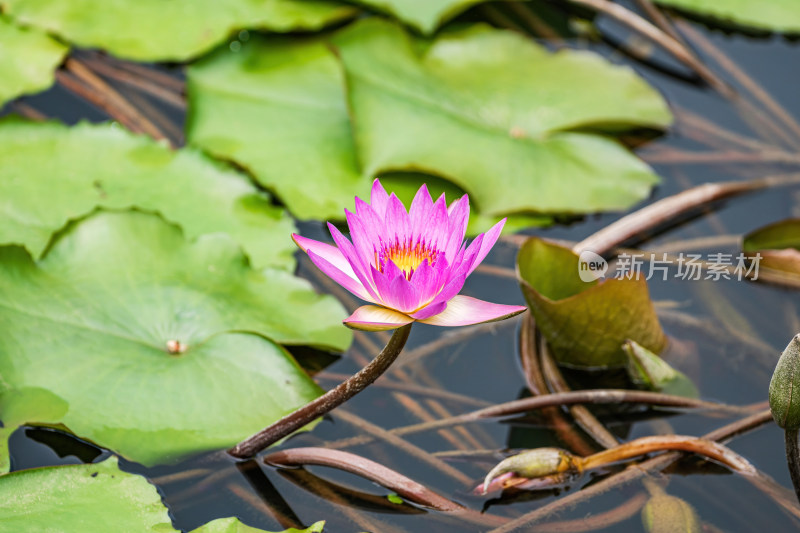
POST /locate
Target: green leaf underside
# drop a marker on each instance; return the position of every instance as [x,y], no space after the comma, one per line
[424,15]
[80,498]
[92,321]
[585,323]
[489,109]
[86,166]
[778,15]
[27,60]
[154,30]
[233,525]
[277,107]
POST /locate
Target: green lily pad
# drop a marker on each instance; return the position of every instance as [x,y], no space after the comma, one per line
[277,107]
[778,245]
[87,166]
[80,498]
[154,30]
[777,15]
[495,113]
[424,15]
[233,525]
[159,347]
[585,323]
[27,60]
[650,372]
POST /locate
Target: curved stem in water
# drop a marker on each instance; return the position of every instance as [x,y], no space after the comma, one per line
[327,402]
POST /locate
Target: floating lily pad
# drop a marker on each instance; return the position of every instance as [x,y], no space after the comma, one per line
[233,525]
[158,347]
[80,498]
[87,166]
[425,15]
[27,60]
[277,107]
[585,323]
[778,15]
[496,114]
[777,244]
[154,30]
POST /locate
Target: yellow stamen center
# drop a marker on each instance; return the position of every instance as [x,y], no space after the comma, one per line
[407,256]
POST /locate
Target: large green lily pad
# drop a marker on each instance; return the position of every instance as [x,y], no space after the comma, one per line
[495,113]
[277,107]
[585,322]
[158,347]
[425,15]
[155,30]
[80,498]
[778,15]
[87,166]
[27,60]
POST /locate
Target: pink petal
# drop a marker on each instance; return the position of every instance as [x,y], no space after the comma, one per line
[429,310]
[330,253]
[365,241]
[437,229]
[340,277]
[374,318]
[379,199]
[396,222]
[403,295]
[420,210]
[349,253]
[465,310]
[490,237]
[458,214]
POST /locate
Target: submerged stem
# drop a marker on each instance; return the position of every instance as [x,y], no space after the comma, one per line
[793,458]
[327,402]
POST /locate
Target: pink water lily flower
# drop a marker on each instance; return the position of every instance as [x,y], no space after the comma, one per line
[410,264]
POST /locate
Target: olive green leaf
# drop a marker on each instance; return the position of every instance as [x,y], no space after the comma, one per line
[80,498]
[585,323]
[778,245]
[152,346]
[27,60]
[650,372]
[277,107]
[233,525]
[495,113]
[154,30]
[778,15]
[87,166]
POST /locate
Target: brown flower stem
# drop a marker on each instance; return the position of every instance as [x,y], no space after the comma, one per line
[166,94]
[327,402]
[662,39]
[585,419]
[534,377]
[660,443]
[670,208]
[81,80]
[793,458]
[524,405]
[360,466]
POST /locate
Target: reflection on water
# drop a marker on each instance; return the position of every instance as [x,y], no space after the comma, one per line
[725,335]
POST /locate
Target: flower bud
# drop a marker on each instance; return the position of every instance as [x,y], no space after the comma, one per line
[784,388]
[669,514]
[536,463]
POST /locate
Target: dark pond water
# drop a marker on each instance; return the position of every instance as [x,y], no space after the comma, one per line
[716,329]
